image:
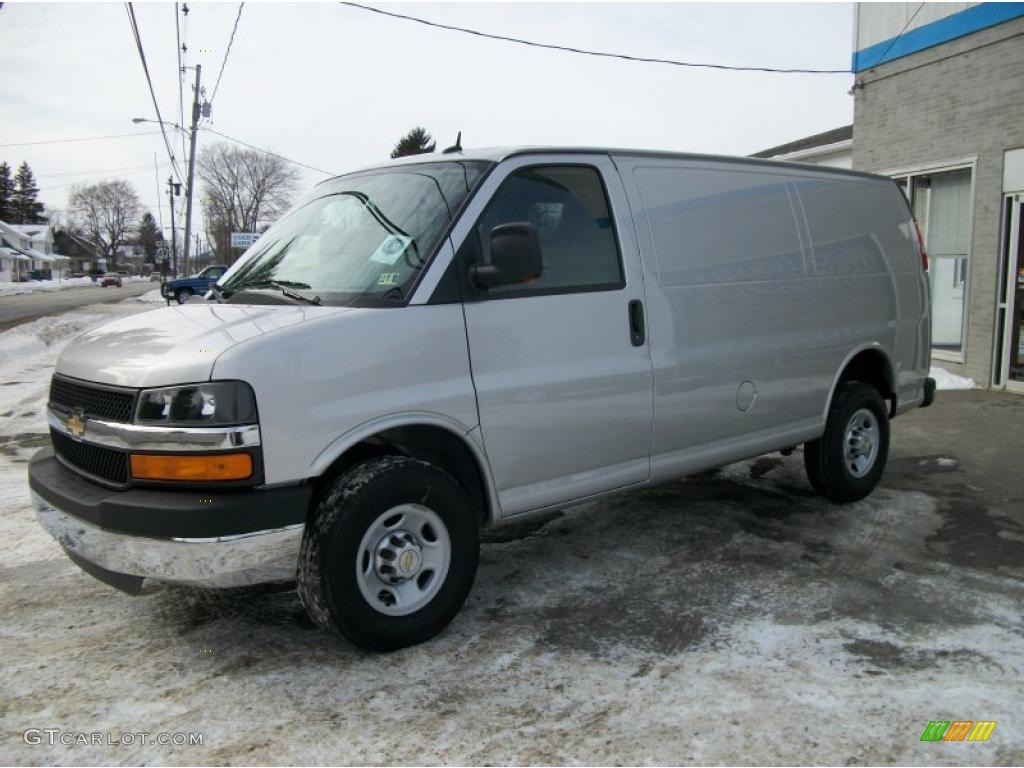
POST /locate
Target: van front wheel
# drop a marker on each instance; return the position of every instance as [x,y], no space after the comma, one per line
[846,463]
[389,554]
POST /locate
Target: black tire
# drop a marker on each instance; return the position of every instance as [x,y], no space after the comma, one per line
[182,295]
[348,507]
[825,458]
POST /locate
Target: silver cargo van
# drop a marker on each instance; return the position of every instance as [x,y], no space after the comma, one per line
[453,341]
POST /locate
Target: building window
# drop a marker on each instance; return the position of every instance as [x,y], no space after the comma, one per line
[941,201]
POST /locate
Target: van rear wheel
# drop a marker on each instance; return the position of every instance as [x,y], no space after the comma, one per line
[389,554]
[847,461]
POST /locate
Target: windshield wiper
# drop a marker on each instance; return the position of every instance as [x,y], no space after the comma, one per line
[286,287]
[218,294]
[291,294]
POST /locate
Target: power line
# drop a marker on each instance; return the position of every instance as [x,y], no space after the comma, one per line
[82,138]
[600,54]
[227,52]
[87,173]
[149,82]
[896,39]
[268,152]
[139,172]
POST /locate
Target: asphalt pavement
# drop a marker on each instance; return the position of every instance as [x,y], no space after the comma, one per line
[21,308]
[734,617]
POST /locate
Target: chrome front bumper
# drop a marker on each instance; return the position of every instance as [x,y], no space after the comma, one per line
[226,561]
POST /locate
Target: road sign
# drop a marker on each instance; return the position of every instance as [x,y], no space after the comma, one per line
[243,239]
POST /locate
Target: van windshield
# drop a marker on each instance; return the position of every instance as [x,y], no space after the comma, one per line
[361,239]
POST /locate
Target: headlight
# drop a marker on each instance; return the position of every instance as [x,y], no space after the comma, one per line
[215,403]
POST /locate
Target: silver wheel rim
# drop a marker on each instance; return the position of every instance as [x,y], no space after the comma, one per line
[184,296]
[860,444]
[403,559]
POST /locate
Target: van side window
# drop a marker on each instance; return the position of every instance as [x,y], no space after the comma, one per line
[569,208]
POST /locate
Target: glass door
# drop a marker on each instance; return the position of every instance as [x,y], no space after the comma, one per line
[1011,295]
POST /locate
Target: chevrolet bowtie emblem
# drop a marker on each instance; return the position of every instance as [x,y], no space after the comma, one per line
[75,425]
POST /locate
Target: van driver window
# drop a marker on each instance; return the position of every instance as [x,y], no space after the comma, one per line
[567,205]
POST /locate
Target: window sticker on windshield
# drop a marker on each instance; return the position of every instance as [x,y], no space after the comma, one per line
[388,278]
[391,250]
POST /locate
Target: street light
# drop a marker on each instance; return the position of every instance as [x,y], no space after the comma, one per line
[196,111]
[138,120]
[173,190]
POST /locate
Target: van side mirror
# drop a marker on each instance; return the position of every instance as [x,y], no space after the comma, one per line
[515,257]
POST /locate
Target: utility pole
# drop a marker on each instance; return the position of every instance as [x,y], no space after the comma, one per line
[174,233]
[156,178]
[191,165]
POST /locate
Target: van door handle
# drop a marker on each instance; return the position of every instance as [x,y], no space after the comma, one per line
[636,323]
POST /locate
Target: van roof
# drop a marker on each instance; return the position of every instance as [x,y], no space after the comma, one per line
[497,154]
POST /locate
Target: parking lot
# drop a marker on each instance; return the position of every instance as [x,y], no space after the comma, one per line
[733,617]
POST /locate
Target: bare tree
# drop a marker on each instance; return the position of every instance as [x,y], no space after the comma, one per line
[105,212]
[244,190]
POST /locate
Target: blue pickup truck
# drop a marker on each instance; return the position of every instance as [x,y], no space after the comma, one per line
[182,289]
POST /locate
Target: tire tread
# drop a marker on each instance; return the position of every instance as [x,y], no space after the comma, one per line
[823,457]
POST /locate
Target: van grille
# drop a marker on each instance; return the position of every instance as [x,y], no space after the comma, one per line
[110,404]
[104,463]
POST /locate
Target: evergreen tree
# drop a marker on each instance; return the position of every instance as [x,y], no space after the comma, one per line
[6,193]
[26,210]
[415,142]
[150,236]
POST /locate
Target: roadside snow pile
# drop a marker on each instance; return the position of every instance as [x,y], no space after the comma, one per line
[151,297]
[11,289]
[27,355]
[21,346]
[946,380]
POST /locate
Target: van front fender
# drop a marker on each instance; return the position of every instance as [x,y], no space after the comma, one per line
[468,436]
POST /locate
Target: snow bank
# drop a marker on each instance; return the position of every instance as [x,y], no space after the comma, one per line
[35,343]
[151,297]
[946,380]
[10,289]
[27,354]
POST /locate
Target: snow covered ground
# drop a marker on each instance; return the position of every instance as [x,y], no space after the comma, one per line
[31,286]
[13,289]
[733,617]
[946,380]
[152,297]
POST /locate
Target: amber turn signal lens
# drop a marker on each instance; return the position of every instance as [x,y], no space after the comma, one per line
[191,467]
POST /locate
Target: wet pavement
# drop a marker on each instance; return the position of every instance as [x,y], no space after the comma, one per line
[733,617]
[21,308]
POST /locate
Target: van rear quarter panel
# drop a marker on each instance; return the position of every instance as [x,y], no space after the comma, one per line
[867,265]
[762,274]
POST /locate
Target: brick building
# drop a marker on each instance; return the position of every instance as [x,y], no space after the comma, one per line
[939,106]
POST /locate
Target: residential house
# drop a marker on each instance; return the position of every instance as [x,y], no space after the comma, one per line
[26,252]
[832,148]
[130,258]
[81,254]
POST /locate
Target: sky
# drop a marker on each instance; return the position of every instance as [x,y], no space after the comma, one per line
[335,87]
